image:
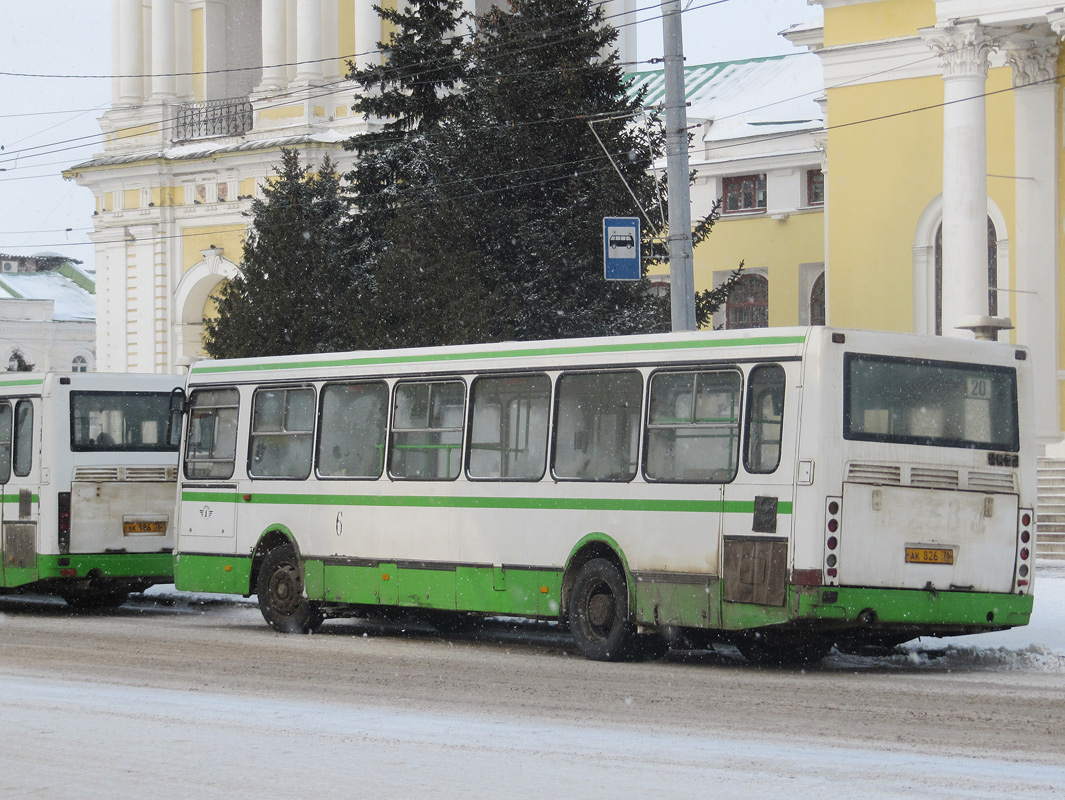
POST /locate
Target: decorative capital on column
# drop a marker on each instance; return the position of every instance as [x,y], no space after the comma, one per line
[1033,59]
[963,48]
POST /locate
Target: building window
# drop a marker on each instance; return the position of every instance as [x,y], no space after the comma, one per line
[748,303]
[79,364]
[815,187]
[992,273]
[817,301]
[744,193]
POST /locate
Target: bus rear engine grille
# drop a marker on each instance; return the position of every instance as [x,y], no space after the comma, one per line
[929,477]
[879,474]
[133,474]
[934,478]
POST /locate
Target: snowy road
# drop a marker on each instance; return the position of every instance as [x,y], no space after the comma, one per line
[171,699]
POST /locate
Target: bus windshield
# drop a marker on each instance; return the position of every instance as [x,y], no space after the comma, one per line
[939,403]
[119,421]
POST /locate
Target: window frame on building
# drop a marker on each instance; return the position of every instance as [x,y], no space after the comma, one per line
[742,188]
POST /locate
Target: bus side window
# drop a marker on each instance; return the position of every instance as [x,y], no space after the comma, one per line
[351,433]
[427,430]
[23,456]
[597,425]
[5,442]
[765,419]
[508,427]
[693,426]
[212,439]
[281,429]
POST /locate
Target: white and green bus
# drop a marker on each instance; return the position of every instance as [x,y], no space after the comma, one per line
[88,481]
[782,490]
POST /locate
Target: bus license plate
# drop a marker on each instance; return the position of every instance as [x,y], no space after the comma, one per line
[135,527]
[929,555]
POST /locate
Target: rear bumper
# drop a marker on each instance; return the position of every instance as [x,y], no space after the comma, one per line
[921,612]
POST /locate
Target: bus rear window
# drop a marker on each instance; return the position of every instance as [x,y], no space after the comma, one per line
[119,421]
[939,403]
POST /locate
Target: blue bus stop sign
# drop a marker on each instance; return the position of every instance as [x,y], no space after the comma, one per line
[621,248]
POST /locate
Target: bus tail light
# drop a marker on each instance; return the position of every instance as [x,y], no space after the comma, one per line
[64,523]
[1025,550]
[833,531]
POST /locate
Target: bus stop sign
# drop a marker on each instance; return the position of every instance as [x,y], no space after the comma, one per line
[621,248]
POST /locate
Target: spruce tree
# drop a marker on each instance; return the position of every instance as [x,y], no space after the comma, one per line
[503,175]
[292,284]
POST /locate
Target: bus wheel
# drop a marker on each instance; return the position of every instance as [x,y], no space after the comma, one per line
[764,651]
[280,591]
[599,613]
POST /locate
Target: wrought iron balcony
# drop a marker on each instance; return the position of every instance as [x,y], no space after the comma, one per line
[213,118]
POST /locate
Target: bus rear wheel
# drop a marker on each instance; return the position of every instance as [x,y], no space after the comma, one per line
[281,598]
[599,613]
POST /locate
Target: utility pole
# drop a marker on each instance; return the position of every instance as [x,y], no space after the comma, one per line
[681,268]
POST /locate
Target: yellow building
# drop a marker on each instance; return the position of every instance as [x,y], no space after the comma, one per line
[758,136]
[942,181]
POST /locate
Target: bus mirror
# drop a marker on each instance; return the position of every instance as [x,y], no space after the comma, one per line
[177,411]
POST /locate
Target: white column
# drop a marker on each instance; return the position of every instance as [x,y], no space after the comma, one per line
[131,53]
[164,56]
[275,39]
[330,41]
[1034,63]
[183,45]
[308,42]
[964,50]
[621,14]
[367,34]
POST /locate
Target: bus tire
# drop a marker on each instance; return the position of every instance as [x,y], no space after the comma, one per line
[599,613]
[281,599]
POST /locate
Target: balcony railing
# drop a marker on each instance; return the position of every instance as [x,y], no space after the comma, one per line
[212,118]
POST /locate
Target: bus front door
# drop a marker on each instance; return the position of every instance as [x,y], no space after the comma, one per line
[19,509]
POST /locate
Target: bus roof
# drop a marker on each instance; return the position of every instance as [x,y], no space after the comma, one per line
[783,342]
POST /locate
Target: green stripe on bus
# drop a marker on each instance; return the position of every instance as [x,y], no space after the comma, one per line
[22,382]
[526,352]
[14,498]
[542,503]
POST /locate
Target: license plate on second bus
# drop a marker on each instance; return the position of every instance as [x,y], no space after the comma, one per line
[929,555]
[134,527]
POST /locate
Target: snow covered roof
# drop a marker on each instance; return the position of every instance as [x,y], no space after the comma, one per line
[208,148]
[749,98]
[72,302]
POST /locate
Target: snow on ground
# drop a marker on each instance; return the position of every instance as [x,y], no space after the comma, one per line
[118,741]
[67,738]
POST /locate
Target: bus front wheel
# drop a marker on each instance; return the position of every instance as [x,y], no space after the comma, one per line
[599,613]
[281,599]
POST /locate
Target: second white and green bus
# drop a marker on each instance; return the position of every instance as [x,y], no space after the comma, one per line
[88,482]
[783,490]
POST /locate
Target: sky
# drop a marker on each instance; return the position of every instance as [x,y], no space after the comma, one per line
[50,123]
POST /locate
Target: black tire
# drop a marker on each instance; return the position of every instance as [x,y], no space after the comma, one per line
[96,601]
[281,598]
[599,613]
[769,651]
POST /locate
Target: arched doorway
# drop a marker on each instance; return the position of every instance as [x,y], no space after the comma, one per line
[194,302]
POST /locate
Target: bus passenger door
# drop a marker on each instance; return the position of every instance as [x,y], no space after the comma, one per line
[756,530]
[207,491]
[20,493]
